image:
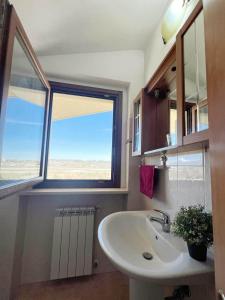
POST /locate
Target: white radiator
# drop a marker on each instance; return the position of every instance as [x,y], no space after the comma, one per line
[72,242]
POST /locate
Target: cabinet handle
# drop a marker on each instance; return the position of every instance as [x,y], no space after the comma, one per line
[221,295]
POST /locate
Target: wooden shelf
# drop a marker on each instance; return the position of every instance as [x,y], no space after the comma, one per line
[189,146]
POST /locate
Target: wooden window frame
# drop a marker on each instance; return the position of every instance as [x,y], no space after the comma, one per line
[14,28]
[116,96]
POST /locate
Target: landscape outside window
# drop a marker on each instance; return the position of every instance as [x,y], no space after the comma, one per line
[81,138]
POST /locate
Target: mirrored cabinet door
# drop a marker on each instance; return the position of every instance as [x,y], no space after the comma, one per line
[201,59]
[190,79]
[201,74]
[195,84]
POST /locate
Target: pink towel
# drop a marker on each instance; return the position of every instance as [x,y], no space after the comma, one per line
[147,180]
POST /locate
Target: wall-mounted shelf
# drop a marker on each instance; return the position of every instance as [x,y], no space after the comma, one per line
[161,150]
[175,149]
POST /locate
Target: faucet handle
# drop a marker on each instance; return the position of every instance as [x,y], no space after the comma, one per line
[165,215]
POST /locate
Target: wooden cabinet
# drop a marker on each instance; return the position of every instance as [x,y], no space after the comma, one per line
[162,88]
[214,11]
[172,110]
[155,110]
[192,83]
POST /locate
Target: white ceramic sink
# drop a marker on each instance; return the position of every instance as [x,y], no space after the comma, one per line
[125,236]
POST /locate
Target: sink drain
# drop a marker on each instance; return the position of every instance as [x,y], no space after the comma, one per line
[147,255]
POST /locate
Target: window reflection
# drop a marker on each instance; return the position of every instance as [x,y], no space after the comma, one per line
[196,111]
[23,121]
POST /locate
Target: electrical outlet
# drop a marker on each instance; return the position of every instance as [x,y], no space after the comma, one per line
[95,263]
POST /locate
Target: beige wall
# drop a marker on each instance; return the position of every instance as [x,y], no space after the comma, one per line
[26,230]
[9,212]
[39,230]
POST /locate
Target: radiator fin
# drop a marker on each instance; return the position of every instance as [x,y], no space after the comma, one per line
[73,246]
[56,248]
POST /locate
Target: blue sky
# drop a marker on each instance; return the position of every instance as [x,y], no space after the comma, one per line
[83,138]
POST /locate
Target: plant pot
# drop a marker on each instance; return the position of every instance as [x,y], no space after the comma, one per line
[198,252]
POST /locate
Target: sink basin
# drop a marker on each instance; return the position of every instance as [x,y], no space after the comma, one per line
[125,236]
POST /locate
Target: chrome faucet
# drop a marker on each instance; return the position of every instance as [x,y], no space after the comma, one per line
[164,221]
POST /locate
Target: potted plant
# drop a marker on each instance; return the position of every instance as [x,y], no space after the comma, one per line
[194,225]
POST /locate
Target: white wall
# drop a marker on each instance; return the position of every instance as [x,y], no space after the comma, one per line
[119,70]
[156,50]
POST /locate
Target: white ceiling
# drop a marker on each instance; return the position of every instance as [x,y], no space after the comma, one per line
[79,26]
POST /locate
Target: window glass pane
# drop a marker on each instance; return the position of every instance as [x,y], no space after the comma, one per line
[190,86]
[195,75]
[190,61]
[81,138]
[173,126]
[23,121]
[137,135]
[200,45]
[203,118]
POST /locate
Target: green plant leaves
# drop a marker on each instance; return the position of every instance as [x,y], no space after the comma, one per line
[194,225]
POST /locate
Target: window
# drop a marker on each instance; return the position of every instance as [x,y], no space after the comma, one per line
[73,140]
[23,110]
[84,137]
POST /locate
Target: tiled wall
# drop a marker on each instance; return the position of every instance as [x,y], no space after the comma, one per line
[185,181]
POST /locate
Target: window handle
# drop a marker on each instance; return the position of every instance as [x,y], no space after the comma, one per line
[221,294]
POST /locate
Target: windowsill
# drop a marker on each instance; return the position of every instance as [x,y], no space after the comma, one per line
[72,191]
[19,187]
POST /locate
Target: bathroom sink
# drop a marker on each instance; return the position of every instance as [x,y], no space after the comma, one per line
[126,236]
